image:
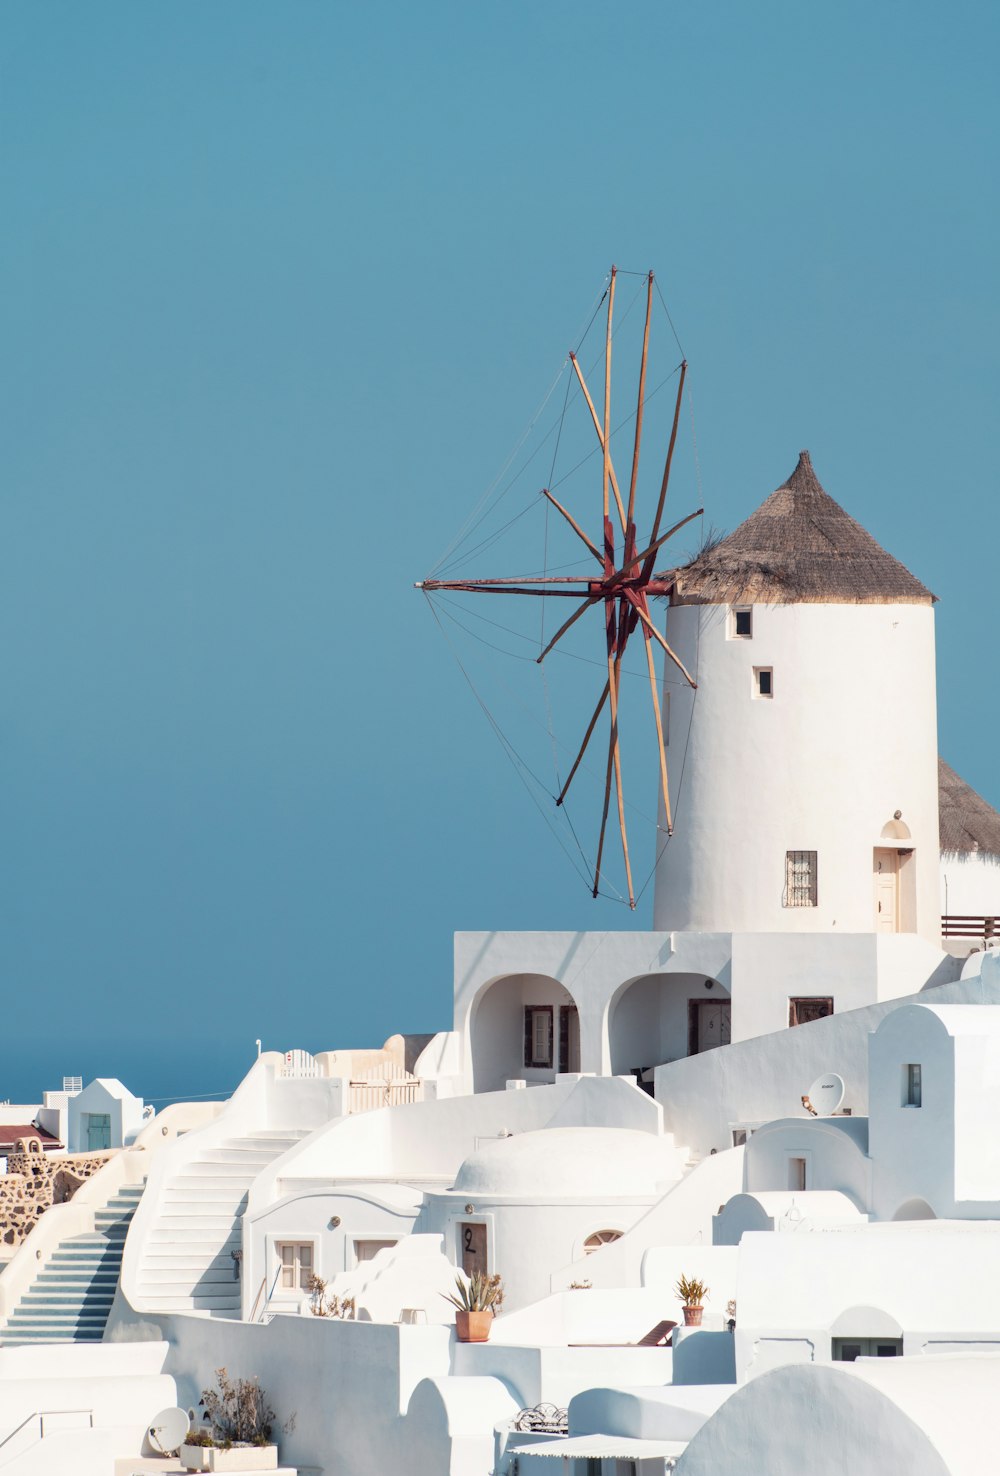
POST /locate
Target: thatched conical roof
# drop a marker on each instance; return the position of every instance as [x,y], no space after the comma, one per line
[968,823]
[799,547]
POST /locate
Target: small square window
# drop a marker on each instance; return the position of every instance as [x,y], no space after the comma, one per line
[801,887]
[809,1007]
[763,681]
[741,623]
[913,1087]
[296,1259]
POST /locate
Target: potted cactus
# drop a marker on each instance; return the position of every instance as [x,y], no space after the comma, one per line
[477,1301]
[692,1294]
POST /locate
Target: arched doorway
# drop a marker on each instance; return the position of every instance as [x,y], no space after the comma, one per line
[523,1026]
[662,1017]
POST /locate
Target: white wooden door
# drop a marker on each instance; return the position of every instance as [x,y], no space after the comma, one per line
[886,890]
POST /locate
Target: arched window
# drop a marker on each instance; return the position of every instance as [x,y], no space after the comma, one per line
[599,1238]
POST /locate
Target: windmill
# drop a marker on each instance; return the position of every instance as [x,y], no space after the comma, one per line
[622,590]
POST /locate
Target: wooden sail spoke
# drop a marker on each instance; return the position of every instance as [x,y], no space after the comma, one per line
[585,606]
[614,673]
[583,746]
[574,525]
[625,584]
[670,453]
[636,602]
[658,719]
[600,437]
[605,438]
[648,556]
[642,400]
[604,813]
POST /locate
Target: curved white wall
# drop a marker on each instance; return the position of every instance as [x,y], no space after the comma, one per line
[848,738]
[970,885]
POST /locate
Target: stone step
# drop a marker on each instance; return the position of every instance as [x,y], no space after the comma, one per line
[92,1320]
[196,1302]
[64,1298]
[104,1275]
[180,1228]
[186,1273]
[33,1335]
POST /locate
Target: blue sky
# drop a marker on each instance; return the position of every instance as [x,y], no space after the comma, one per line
[282,284]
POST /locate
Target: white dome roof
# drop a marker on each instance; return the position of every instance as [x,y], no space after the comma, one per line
[570,1163]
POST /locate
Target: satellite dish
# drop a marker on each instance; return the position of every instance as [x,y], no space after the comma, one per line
[825,1095]
[167,1431]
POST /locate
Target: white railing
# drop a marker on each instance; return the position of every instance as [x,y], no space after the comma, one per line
[378,1089]
[300,1064]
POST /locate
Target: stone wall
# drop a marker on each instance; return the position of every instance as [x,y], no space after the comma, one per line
[34,1180]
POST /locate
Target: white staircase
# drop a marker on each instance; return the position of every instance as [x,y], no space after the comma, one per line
[71,1295]
[187,1259]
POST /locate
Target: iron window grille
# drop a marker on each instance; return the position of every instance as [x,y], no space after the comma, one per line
[800,879]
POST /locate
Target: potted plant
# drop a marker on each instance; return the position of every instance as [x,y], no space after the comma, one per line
[477,1302]
[238,1437]
[692,1294]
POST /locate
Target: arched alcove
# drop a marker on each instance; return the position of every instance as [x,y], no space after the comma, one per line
[661,1017]
[512,1018]
[896,830]
[915,1209]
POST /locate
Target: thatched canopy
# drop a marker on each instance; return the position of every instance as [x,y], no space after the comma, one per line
[968,823]
[799,547]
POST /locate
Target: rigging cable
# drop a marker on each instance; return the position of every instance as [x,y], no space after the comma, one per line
[517,762]
[532,717]
[468,526]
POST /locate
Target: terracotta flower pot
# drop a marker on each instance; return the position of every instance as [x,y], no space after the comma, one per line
[692,1316]
[473,1327]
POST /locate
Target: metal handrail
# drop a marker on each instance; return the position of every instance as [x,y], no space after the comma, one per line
[40,1415]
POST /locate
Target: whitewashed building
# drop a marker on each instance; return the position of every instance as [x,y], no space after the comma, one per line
[607,1112]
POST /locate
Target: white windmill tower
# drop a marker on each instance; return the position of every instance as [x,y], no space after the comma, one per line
[803,769]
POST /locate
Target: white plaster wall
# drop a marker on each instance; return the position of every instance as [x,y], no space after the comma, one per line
[824,1421]
[415,1276]
[912,1148]
[528,1240]
[497,1030]
[795,1292]
[597,1318]
[429,1140]
[376,1213]
[788,1213]
[646,1414]
[761,1079]
[590,967]
[682,1217]
[852,969]
[648,1019]
[632,989]
[124,1110]
[354,1389]
[849,737]
[122,1388]
[835,1150]
[970,885]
